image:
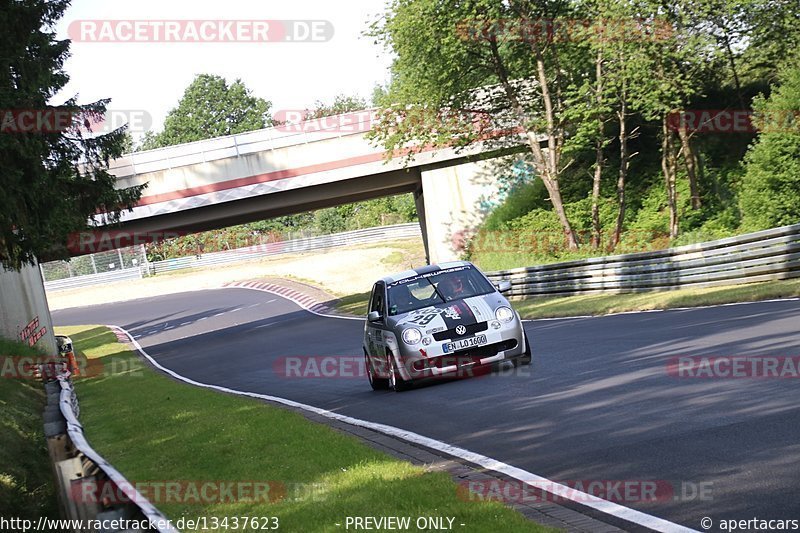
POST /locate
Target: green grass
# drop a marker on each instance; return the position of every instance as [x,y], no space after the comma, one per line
[602,304]
[153,428]
[354,304]
[26,477]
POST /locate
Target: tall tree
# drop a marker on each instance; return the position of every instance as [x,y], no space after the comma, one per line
[670,73]
[772,32]
[484,65]
[53,181]
[770,193]
[211,108]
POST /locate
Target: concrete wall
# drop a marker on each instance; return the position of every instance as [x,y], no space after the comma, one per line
[454,201]
[24,314]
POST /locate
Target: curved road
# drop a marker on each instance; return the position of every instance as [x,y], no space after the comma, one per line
[599,403]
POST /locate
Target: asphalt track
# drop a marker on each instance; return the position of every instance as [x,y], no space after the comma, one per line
[598,404]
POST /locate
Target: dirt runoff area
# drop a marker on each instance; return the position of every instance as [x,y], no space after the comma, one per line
[338,271]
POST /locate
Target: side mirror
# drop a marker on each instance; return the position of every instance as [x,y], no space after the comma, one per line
[503,286]
[373,316]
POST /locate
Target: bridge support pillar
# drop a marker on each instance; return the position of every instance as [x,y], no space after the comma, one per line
[454,201]
[24,314]
[419,200]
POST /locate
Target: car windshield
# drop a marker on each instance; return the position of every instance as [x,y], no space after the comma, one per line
[434,288]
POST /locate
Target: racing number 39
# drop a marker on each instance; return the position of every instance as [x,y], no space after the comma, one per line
[426,319]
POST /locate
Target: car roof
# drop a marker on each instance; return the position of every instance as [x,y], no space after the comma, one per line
[424,270]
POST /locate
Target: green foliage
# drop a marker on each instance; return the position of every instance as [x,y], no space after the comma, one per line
[367,214]
[774,30]
[722,224]
[53,182]
[520,200]
[211,108]
[770,192]
[342,103]
[378,212]
[27,489]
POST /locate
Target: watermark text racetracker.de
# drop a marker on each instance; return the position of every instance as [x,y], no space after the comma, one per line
[562,29]
[734,367]
[299,121]
[714,121]
[90,242]
[623,491]
[72,120]
[200,31]
[195,492]
[354,367]
[50,367]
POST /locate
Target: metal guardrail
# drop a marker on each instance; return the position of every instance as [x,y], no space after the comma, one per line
[761,256]
[75,461]
[308,244]
[93,279]
[249,253]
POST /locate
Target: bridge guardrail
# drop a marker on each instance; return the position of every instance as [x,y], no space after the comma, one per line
[230,146]
[767,255]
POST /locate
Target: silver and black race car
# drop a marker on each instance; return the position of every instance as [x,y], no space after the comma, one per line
[437,321]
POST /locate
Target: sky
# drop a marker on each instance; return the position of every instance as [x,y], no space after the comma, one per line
[150,77]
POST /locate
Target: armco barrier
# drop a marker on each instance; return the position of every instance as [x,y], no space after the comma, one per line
[761,256]
[74,460]
[93,279]
[309,244]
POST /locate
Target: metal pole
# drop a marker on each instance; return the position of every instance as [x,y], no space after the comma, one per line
[146,265]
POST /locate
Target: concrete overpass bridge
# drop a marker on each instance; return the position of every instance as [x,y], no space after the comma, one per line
[281,171]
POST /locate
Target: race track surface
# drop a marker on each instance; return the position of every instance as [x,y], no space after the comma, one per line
[597,404]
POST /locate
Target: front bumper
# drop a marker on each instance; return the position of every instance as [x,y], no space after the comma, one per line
[421,362]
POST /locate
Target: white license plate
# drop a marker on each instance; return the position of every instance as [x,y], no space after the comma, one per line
[464,343]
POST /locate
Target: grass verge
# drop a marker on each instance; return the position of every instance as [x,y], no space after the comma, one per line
[26,479]
[154,429]
[603,304]
[354,304]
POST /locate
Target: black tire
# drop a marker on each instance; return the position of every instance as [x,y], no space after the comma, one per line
[396,381]
[525,358]
[375,382]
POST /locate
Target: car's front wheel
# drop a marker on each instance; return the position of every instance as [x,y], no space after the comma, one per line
[375,382]
[396,380]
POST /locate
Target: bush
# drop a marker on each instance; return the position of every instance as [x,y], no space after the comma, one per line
[521,199]
[770,192]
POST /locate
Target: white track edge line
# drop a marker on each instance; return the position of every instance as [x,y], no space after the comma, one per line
[556,489]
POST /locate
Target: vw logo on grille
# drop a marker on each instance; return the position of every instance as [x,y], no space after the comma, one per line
[461,330]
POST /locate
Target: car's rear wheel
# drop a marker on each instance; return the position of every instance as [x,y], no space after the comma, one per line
[525,358]
[396,381]
[375,382]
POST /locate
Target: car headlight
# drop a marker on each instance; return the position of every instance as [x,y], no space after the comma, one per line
[504,314]
[411,336]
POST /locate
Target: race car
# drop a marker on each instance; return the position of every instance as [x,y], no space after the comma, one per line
[438,321]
